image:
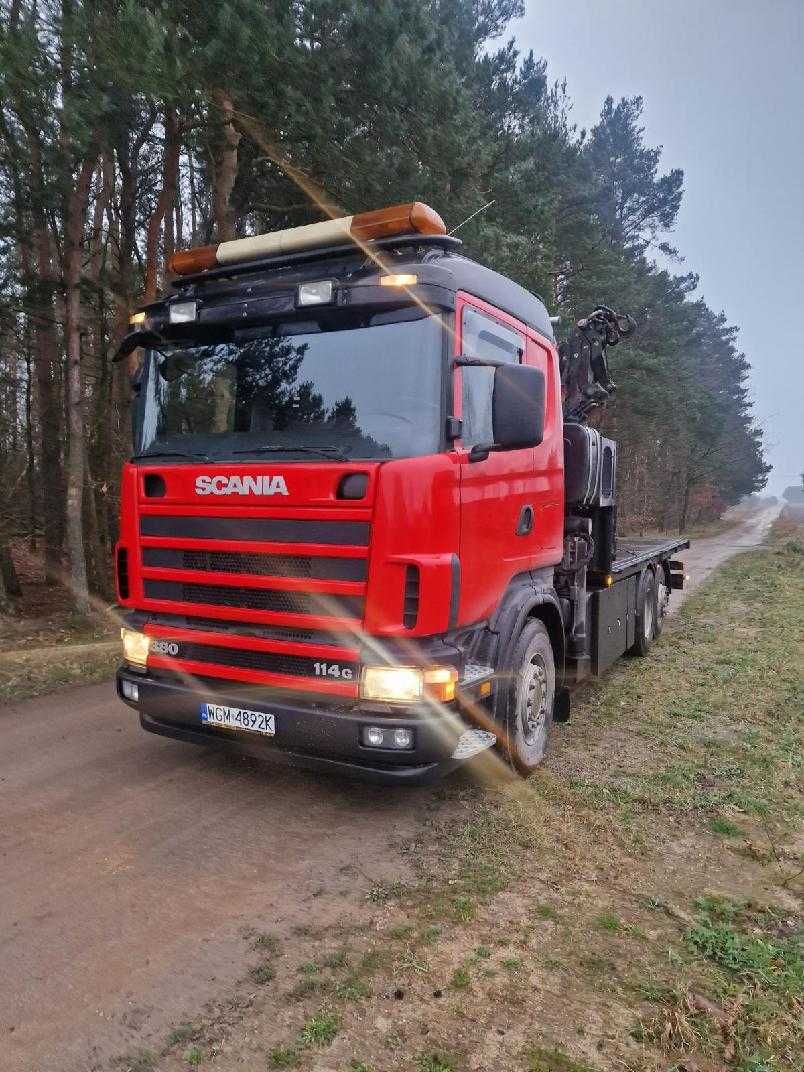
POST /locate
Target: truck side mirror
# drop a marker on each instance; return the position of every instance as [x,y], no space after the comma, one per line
[517,406]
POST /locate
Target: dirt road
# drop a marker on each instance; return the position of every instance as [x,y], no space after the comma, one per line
[706,555]
[131,867]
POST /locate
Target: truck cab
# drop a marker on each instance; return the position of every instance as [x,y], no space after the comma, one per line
[343,522]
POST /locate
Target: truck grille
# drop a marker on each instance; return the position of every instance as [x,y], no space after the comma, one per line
[312,572]
[320,567]
[320,605]
[275,530]
[265,661]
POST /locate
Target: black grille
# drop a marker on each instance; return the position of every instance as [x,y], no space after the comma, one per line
[267,661]
[411,611]
[277,530]
[319,567]
[256,629]
[257,599]
[122,572]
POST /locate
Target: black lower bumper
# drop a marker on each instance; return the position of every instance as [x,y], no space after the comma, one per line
[316,737]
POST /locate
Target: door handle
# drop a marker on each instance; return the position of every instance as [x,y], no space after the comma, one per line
[524,526]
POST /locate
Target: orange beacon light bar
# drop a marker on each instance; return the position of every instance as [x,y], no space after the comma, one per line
[412,218]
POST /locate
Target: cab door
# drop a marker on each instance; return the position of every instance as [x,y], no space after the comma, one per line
[497,494]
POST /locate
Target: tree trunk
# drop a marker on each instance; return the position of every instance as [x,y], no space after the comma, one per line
[179,211]
[225,164]
[164,203]
[29,442]
[6,606]
[36,257]
[74,223]
[8,573]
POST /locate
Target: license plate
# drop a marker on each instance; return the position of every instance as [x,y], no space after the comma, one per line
[238,718]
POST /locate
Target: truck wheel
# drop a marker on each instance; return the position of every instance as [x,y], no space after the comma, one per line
[662,599]
[530,698]
[646,613]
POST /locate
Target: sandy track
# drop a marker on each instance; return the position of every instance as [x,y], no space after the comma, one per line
[130,866]
[704,556]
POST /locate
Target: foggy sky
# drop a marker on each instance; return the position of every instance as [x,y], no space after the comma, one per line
[723,84]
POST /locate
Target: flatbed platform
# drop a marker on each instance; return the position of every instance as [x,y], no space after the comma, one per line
[633,554]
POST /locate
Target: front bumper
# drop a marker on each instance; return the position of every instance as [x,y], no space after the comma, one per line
[324,738]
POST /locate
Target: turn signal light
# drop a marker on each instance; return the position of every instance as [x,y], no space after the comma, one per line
[440,683]
[410,218]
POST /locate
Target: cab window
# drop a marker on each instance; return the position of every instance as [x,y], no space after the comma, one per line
[483,338]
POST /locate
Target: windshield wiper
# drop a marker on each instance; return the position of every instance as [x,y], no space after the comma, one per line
[325,452]
[169,454]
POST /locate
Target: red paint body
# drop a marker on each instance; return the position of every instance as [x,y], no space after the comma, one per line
[430,511]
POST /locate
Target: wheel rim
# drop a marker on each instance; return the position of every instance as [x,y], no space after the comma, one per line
[661,599]
[533,716]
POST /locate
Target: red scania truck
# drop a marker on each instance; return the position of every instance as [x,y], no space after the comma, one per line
[365,524]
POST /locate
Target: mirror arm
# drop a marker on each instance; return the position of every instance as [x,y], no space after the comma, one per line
[480,451]
[134,340]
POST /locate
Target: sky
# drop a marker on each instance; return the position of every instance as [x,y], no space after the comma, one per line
[723,86]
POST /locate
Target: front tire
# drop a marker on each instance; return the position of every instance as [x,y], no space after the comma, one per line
[531,695]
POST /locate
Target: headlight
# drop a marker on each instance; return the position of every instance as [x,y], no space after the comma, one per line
[319,293]
[135,647]
[405,684]
[183,312]
[399,684]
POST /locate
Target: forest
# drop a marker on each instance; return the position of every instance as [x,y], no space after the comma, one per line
[132,128]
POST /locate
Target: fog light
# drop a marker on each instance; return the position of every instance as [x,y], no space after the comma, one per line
[131,690]
[373,736]
[397,738]
[403,738]
[183,312]
[135,647]
[319,293]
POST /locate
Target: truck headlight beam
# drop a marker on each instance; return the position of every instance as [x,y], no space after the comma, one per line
[136,646]
[408,684]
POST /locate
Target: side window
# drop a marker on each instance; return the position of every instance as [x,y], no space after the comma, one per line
[484,338]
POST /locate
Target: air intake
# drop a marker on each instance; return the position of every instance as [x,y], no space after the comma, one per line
[122,573]
[411,612]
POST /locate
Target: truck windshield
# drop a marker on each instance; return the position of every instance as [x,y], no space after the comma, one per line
[335,391]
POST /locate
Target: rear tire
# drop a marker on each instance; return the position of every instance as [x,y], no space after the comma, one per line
[662,600]
[531,695]
[646,614]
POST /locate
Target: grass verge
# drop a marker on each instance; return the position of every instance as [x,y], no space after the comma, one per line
[32,672]
[635,906]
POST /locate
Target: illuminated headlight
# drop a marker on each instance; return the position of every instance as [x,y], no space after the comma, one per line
[319,293]
[135,647]
[397,684]
[406,684]
[138,320]
[183,312]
